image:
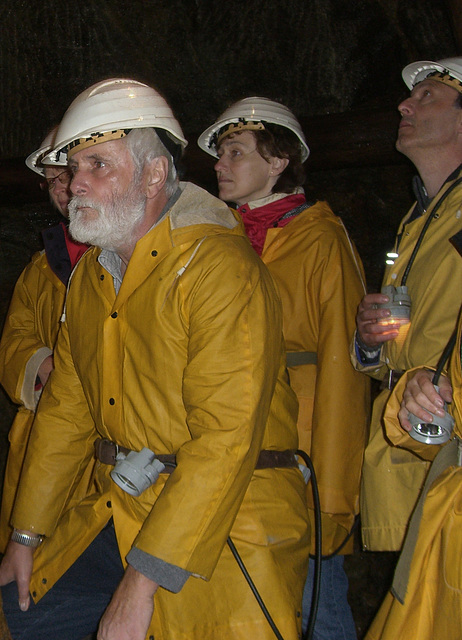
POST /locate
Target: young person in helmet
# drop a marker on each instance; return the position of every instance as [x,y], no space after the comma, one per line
[32,323]
[171,360]
[428,263]
[261,149]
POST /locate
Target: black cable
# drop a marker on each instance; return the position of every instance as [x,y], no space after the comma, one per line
[342,544]
[424,229]
[417,247]
[250,582]
[444,357]
[317,567]
[317,547]
[254,589]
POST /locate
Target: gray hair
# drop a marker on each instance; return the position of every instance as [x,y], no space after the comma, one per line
[144,145]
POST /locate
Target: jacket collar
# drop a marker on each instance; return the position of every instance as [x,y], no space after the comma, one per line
[421,195]
[273,197]
[190,214]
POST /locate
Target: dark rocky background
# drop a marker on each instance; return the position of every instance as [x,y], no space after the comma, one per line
[336,63]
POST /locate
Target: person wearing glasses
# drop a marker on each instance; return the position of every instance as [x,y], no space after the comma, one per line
[32,323]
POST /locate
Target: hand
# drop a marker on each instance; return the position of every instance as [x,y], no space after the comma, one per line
[45,369]
[420,397]
[129,613]
[370,332]
[17,566]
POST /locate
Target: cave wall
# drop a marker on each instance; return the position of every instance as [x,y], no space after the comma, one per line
[317,56]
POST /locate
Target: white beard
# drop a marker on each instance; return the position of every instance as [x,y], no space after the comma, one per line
[114,221]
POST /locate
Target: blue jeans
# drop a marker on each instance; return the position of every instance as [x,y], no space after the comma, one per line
[334,620]
[74,605]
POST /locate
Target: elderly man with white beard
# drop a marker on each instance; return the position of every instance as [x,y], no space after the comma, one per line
[177,382]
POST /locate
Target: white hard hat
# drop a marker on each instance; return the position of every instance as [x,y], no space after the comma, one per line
[117,104]
[253,110]
[418,71]
[37,160]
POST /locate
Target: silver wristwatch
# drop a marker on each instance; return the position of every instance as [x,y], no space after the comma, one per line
[26,539]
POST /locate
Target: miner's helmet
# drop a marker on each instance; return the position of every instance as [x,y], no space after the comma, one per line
[109,110]
[251,114]
[37,160]
[448,71]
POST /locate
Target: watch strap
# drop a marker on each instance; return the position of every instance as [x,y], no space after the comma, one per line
[26,539]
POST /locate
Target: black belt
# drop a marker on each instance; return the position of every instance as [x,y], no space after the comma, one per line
[106,452]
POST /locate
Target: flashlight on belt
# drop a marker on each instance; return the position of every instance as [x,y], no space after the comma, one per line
[136,471]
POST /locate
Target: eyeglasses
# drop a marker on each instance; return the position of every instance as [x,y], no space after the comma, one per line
[64,178]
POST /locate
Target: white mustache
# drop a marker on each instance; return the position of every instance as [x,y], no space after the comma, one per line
[79,202]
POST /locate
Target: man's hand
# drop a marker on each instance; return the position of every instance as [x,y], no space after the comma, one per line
[129,613]
[17,566]
[45,369]
[370,332]
[420,397]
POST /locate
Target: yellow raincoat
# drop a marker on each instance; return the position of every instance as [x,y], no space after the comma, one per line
[28,338]
[432,608]
[182,360]
[320,280]
[392,477]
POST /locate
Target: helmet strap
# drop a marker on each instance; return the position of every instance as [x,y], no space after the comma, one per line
[172,147]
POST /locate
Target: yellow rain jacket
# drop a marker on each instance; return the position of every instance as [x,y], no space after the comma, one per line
[320,280]
[28,338]
[187,359]
[393,477]
[432,606]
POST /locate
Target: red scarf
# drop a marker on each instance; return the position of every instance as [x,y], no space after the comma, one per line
[74,249]
[257,221]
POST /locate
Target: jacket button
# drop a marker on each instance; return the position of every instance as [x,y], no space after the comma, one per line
[114,315]
[34,594]
[108,504]
[154,253]
[101,276]
[111,401]
[44,580]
